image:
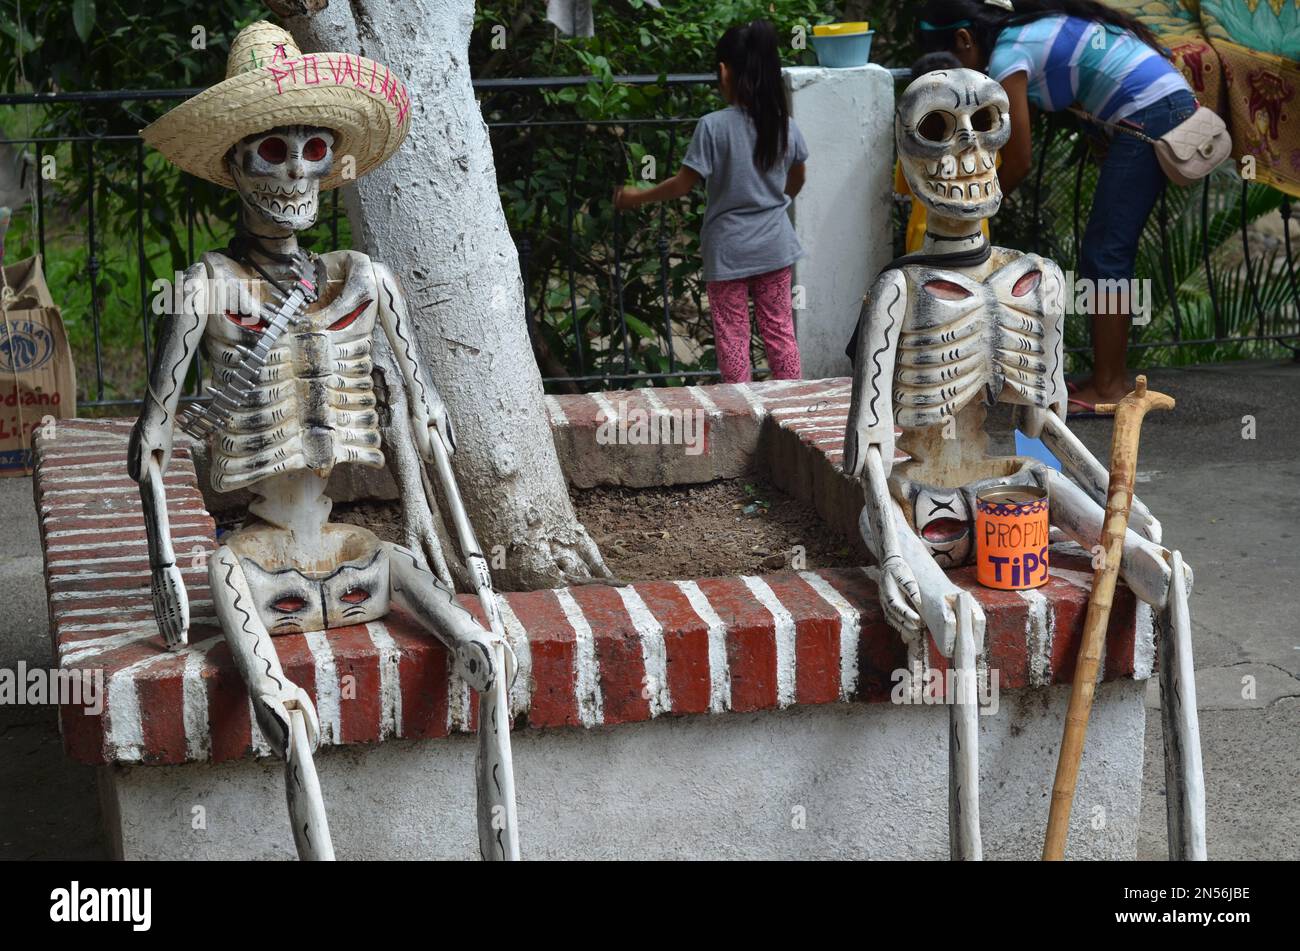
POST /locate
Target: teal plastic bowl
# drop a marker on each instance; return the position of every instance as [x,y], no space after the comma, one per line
[839,52]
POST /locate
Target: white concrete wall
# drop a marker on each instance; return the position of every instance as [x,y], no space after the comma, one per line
[843,215]
[871,780]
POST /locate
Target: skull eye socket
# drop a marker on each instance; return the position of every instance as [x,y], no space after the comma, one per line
[936,126]
[314,150]
[273,149]
[986,119]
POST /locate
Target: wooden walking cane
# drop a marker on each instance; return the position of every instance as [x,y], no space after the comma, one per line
[1119,499]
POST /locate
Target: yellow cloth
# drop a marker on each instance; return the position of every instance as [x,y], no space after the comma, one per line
[916,220]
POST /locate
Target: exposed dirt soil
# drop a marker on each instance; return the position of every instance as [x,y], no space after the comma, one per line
[728,527]
[384,518]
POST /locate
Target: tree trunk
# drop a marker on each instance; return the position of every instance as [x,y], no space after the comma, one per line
[432,213]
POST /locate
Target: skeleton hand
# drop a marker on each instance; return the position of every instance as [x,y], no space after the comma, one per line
[146,439]
[273,712]
[900,596]
[940,616]
[436,425]
[171,605]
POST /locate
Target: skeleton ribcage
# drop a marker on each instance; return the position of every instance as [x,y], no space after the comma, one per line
[963,339]
[313,407]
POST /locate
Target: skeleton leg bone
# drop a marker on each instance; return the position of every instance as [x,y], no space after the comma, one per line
[1184,778]
[284,712]
[963,742]
[478,659]
[1086,470]
[956,622]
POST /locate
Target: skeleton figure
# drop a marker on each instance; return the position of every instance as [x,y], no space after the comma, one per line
[944,334]
[295,396]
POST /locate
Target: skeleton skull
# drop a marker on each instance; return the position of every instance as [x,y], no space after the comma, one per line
[949,127]
[278,173]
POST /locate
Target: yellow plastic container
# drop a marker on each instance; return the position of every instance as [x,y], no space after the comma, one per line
[841,29]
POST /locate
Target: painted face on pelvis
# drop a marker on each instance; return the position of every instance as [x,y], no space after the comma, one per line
[291,602]
[949,126]
[943,523]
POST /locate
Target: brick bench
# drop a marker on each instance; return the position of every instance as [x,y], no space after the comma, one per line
[591,657]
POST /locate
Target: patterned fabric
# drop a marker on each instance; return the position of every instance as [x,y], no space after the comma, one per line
[1110,72]
[729,305]
[1241,57]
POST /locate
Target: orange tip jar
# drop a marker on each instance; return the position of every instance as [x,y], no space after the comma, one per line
[1011,537]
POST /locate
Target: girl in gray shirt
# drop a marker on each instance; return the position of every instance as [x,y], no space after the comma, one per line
[751,157]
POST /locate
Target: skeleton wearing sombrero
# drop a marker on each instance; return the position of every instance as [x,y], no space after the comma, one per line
[288,336]
[945,334]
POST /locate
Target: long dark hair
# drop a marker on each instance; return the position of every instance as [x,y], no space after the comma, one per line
[750,53]
[939,20]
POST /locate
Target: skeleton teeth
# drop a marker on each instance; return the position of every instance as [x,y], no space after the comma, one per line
[948,168]
[932,168]
[987,160]
[968,164]
[973,191]
[988,188]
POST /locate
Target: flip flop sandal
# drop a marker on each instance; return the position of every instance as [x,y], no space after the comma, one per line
[1086,410]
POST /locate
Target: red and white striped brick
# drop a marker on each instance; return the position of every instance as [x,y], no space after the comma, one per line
[587,656]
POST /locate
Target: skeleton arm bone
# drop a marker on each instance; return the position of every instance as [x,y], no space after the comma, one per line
[871,408]
[1081,465]
[428,412]
[150,449]
[869,445]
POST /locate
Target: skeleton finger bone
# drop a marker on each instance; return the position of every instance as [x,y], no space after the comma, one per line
[921,589]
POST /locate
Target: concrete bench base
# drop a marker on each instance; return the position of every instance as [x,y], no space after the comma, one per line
[830,781]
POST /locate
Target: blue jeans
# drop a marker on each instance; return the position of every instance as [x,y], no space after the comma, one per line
[1130,182]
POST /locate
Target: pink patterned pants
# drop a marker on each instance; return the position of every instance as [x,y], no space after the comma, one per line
[729,303]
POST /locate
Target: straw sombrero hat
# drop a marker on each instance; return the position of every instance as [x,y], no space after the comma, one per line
[270,82]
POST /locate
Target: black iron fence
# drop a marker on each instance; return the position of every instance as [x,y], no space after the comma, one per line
[610,299]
